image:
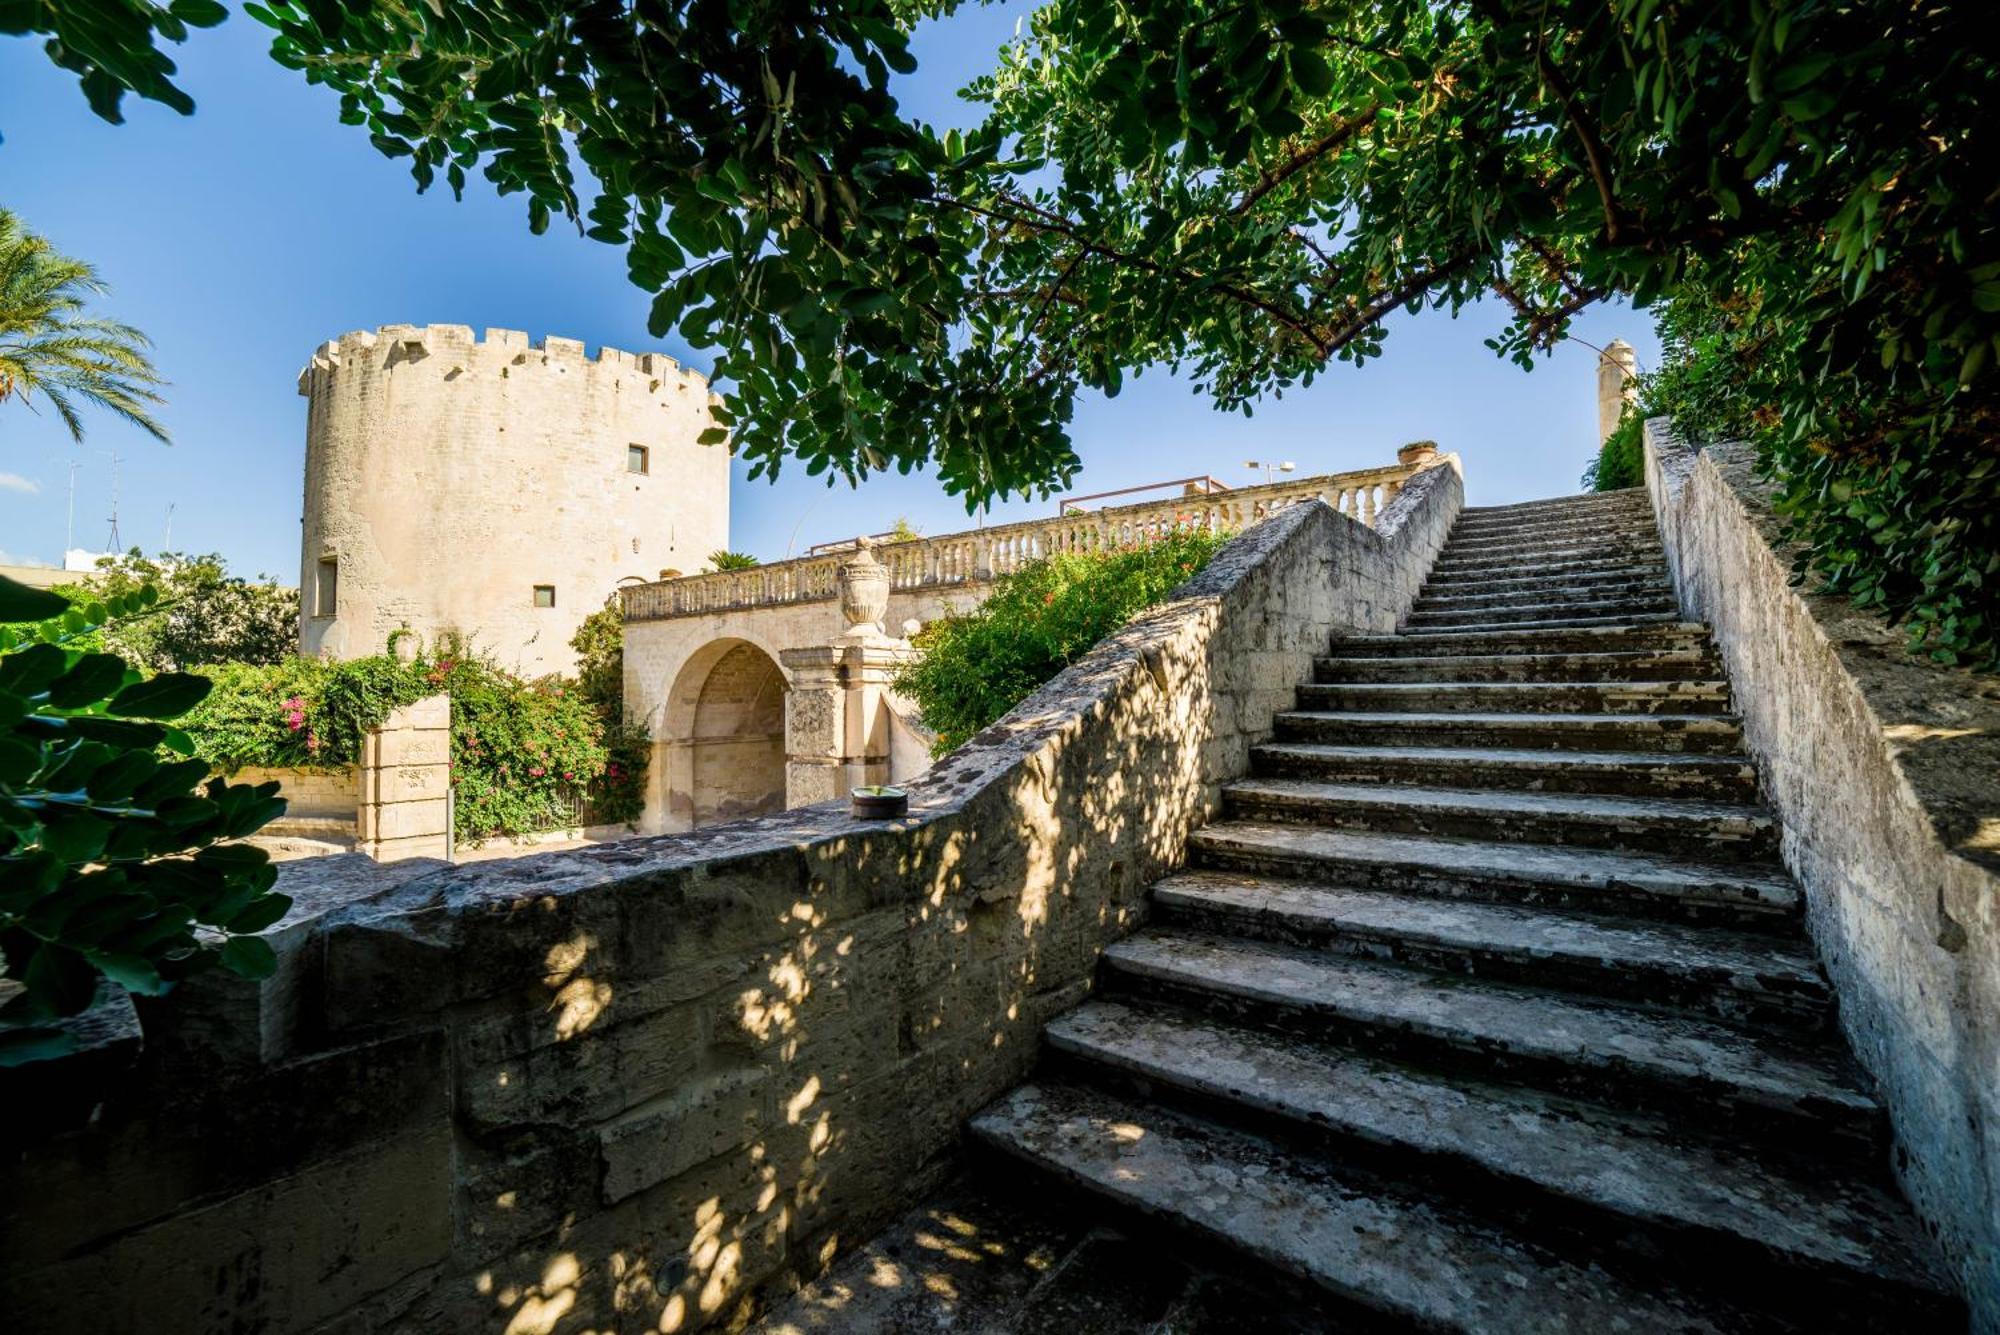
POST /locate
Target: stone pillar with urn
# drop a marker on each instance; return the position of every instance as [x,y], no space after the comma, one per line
[837,712]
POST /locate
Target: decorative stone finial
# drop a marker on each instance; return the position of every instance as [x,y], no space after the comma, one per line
[864,592]
[1416,452]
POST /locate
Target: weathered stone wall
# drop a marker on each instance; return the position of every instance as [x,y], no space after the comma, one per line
[310,794]
[628,1087]
[1886,772]
[394,804]
[448,477]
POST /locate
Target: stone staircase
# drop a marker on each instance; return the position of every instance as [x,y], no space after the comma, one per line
[1488,1005]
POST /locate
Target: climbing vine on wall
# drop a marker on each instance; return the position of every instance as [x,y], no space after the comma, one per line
[523,752]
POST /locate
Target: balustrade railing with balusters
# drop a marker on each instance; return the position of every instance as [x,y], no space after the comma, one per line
[982,554]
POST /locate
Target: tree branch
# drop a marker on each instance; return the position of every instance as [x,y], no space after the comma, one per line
[1305,157]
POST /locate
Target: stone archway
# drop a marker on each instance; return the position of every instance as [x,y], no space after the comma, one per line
[724,741]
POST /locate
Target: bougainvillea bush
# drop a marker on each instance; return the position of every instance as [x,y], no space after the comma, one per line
[522,751]
[1040,619]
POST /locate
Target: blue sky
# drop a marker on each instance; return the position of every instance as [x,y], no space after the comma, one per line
[242,237]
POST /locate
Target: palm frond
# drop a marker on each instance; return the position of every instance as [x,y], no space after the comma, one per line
[50,346]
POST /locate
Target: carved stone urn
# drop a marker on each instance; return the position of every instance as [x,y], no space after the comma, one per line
[864,592]
[1416,452]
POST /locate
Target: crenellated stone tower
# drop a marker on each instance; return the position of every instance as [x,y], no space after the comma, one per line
[496,487]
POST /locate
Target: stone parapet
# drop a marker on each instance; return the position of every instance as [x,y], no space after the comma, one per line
[1885,770]
[980,555]
[633,1086]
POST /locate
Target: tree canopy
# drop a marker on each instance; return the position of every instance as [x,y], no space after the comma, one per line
[1246,189]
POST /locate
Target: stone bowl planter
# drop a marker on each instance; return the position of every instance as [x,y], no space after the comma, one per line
[879,802]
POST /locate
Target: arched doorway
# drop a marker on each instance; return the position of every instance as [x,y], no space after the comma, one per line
[725,737]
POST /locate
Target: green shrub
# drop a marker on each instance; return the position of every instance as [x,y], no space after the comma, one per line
[521,751]
[114,860]
[619,798]
[1892,491]
[1040,619]
[1621,460]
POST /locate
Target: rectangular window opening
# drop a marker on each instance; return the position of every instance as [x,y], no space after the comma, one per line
[638,459]
[326,587]
[545,595]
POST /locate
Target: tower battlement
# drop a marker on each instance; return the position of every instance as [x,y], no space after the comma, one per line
[498,487]
[454,348]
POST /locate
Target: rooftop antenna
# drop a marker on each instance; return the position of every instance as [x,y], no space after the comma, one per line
[115,546]
[69,532]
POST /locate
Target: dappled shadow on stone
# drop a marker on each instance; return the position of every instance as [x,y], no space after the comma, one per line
[634,1086]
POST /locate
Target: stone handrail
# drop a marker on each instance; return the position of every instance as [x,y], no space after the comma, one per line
[983,554]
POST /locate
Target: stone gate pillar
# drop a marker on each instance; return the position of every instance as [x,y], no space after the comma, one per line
[837,724]
[405,784]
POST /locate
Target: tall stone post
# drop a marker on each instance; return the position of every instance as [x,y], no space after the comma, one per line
[815,725]
[405,784]
[837,713]
[1616,367]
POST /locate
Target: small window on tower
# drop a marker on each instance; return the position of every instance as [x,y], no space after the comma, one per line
[545,595]
[638,459]
[326,587]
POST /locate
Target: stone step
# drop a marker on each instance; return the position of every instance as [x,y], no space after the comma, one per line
[1610,582]
[1626,527]
[1681,734]
[1388,1257]
[1439,616]
[1637,773]
[1747,980]
[1711,831]
[1833,1247]
[1623,638]
[1770,1087]
[1582,500]
[1554,619]
[1519,697]
[1539,567]
[1586,879]
[1672,664]
[1468,597]
[1554,545]
[1512,558]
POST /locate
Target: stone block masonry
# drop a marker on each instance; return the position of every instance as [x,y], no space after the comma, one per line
[1883,769]
[396,803]
[635,1086]
[496,488]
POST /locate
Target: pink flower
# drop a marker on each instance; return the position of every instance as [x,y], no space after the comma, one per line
[536,770]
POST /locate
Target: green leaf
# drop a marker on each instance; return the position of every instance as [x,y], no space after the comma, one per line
[130,972]
[261,913]
[21,1044]
[93,677]
[19,602]
[249,957]
[168,695]
[198,13]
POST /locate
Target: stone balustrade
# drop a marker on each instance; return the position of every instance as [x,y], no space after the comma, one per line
[983,554]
